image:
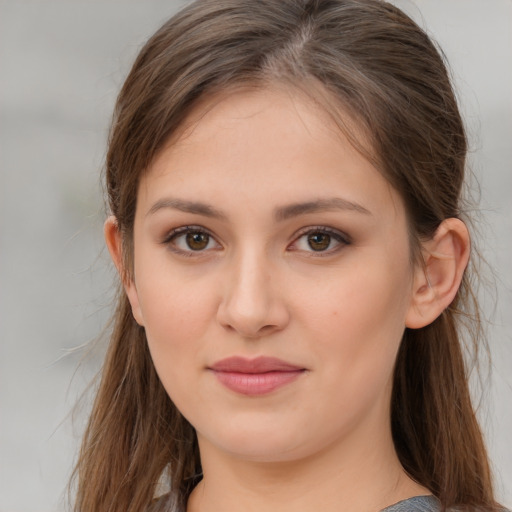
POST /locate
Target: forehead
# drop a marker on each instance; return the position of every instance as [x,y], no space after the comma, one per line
[310,99]
[265,140]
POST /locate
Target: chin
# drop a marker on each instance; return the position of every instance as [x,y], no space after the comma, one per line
[259,445]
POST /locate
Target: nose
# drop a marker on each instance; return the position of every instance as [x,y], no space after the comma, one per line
[252,305]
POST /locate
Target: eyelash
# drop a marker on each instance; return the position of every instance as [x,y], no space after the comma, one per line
[340,238]
[170,239]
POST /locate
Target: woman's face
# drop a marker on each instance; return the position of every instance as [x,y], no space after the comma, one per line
[272,275]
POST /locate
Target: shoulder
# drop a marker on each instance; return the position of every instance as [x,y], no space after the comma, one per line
[431,504]
[416,504]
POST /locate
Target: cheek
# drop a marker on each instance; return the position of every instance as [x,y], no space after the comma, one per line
[363,297]
[358,319]
[357,329]
[177,313]
[174,319]
[174,328]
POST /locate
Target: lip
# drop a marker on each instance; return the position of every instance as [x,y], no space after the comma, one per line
[257,376]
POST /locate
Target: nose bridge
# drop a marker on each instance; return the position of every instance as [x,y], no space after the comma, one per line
[251,304]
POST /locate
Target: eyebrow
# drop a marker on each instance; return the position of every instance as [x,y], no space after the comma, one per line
[187,206]
[320,205]
[280,214]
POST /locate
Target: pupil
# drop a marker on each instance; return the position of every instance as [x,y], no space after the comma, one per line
[197,241]
[319,241]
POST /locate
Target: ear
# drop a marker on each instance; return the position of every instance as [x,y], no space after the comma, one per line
[114,242]
[436,282]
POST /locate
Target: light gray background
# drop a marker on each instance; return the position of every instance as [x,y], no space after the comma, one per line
[61,65]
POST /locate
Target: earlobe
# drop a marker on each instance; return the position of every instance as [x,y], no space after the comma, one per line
[436,282]
[114,243]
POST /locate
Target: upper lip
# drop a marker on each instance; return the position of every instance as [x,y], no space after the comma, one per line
[260,364]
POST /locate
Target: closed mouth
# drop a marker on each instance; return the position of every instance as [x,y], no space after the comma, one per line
[257,376]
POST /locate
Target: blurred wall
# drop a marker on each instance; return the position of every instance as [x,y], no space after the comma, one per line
[61,65]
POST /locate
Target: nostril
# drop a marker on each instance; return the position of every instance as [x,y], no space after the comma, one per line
[267,329]
[251,304]
[251,326]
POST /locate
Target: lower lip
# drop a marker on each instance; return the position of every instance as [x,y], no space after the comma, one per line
[255,384]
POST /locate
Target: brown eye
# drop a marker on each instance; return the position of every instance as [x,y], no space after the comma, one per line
[319,241]
[197,241]
[191,241]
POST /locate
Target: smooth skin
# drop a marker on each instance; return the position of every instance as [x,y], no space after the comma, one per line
[260,231]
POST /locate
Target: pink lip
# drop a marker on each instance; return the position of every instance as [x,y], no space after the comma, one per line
[255,376]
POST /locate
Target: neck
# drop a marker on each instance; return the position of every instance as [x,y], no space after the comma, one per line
[345,476]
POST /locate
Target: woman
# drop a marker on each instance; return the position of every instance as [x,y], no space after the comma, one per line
[284,179]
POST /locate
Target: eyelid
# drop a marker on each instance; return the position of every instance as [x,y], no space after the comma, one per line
[172,233]
[342,238]
[183,230]
[339,236]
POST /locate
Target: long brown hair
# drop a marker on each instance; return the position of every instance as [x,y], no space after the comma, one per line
[371,59]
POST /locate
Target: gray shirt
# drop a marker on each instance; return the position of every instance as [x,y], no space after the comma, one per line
[416,504]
